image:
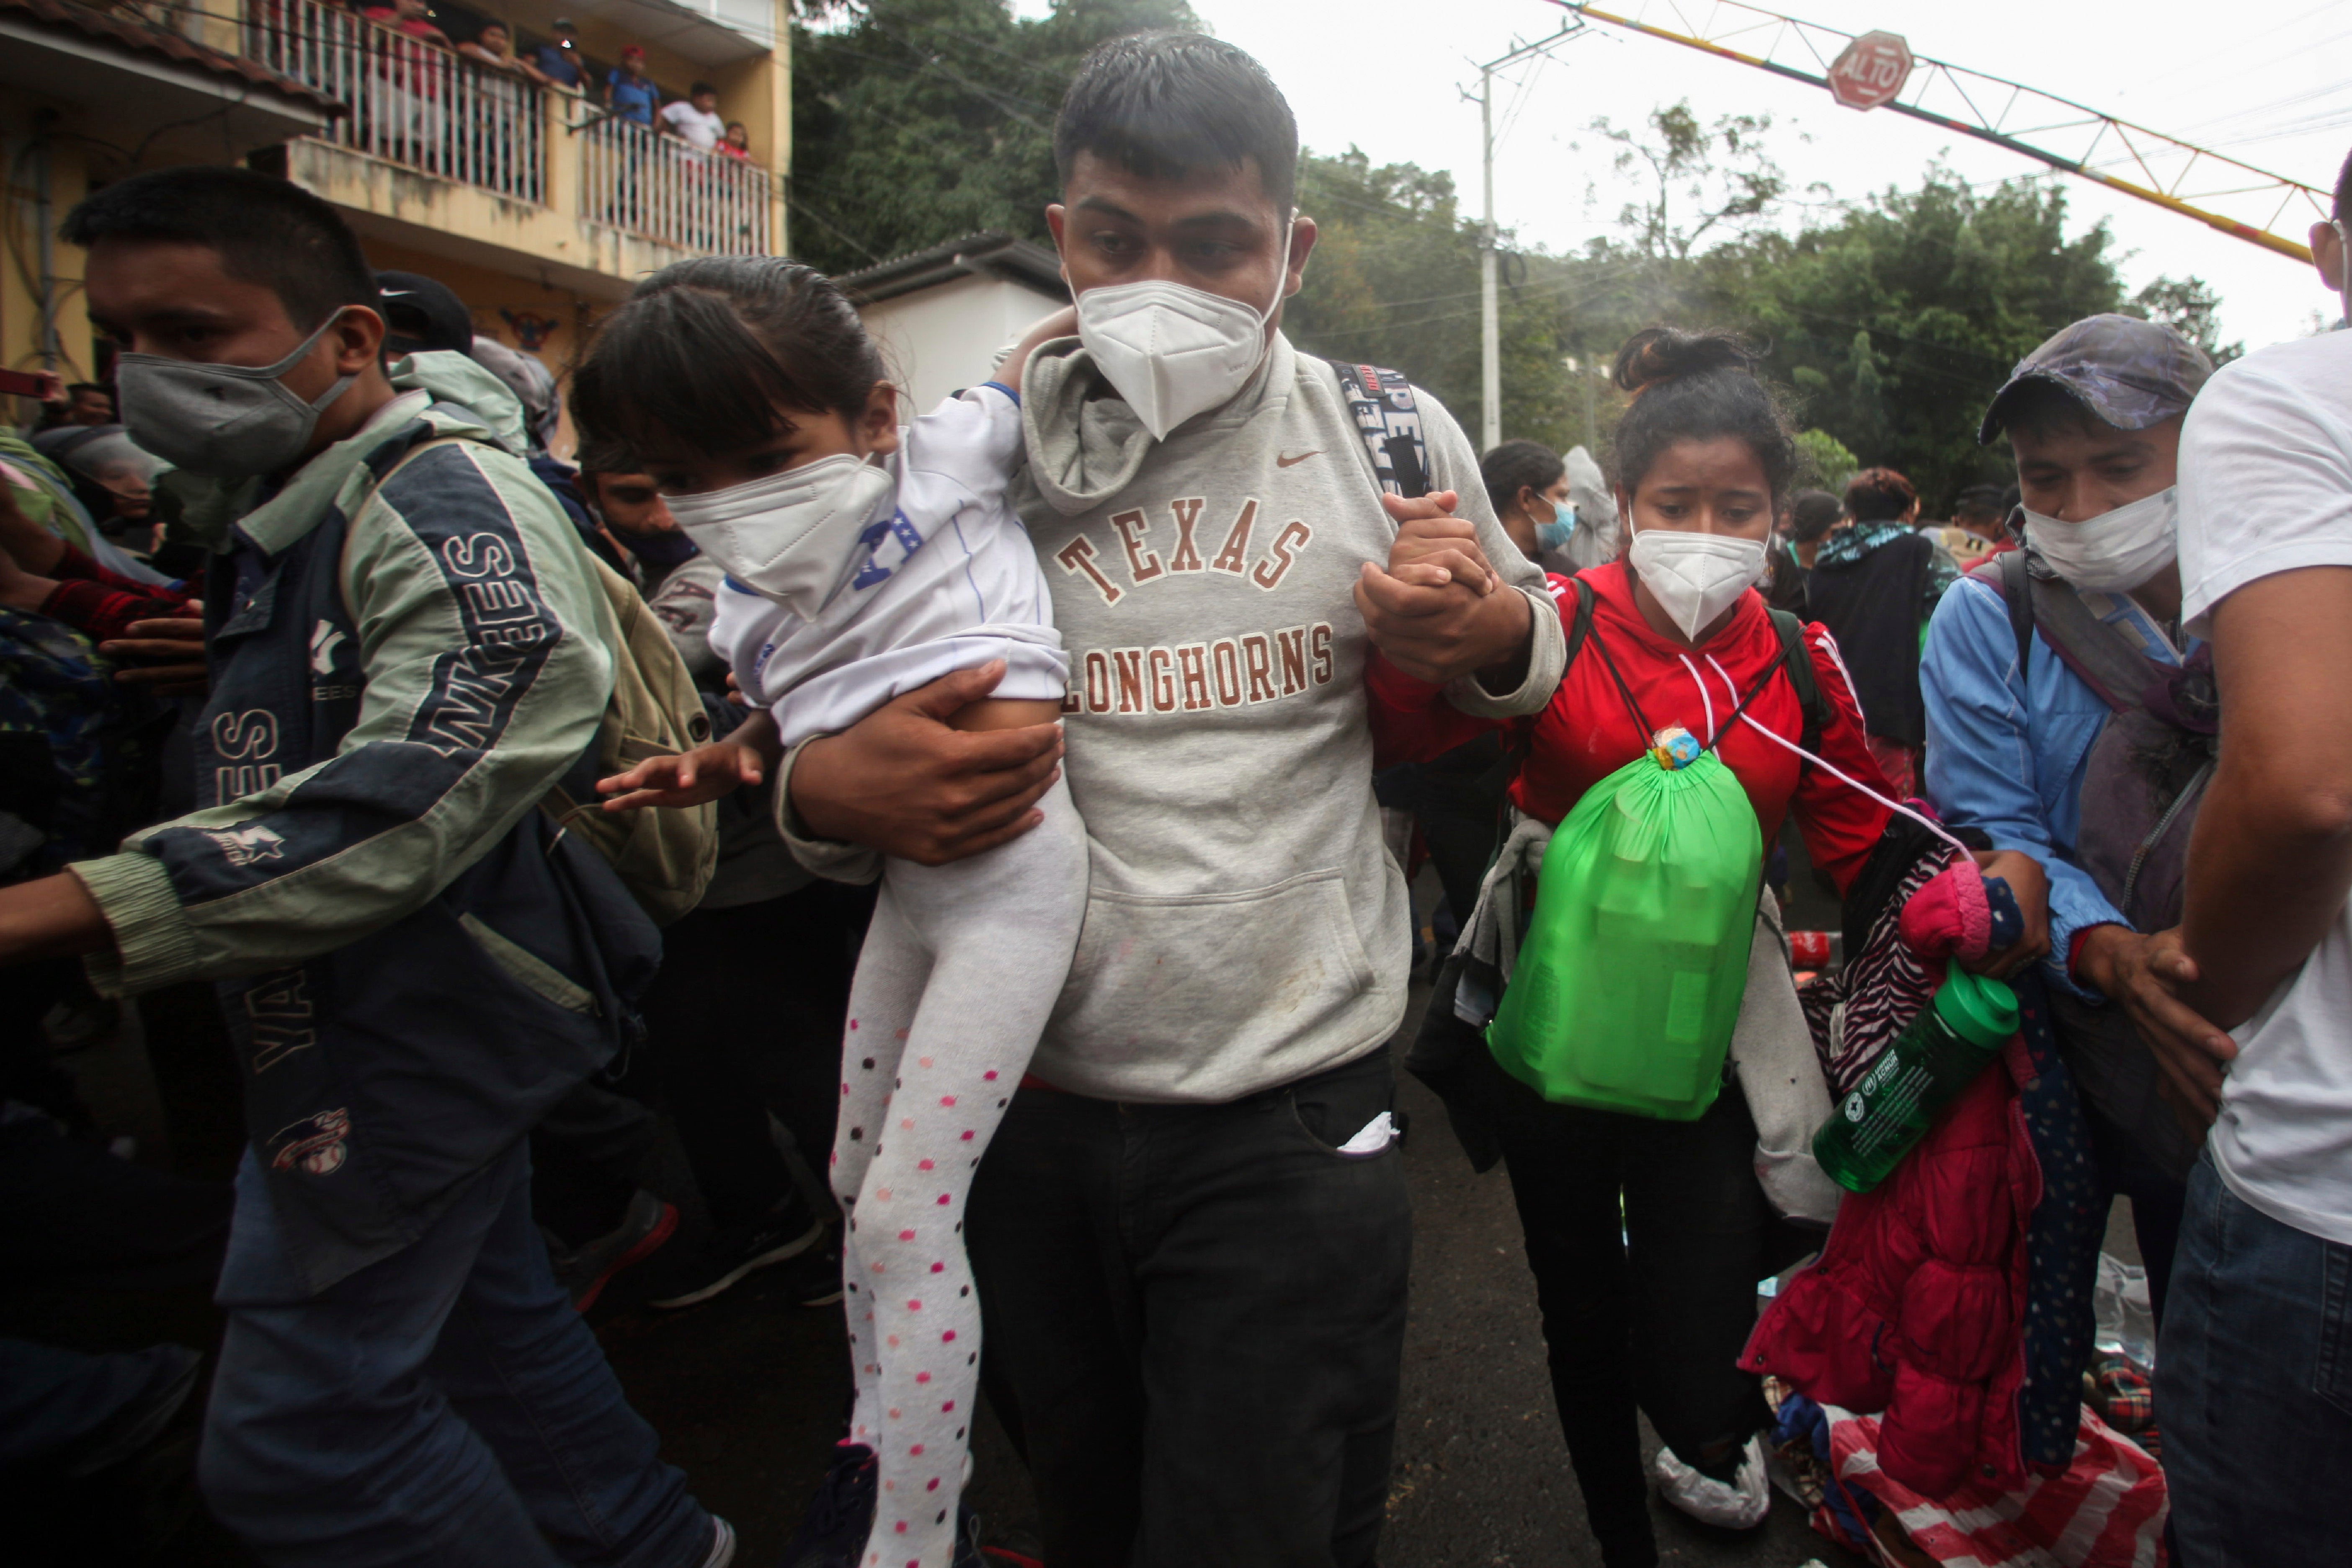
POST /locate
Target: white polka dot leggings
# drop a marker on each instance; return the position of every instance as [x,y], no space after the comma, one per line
[961,967]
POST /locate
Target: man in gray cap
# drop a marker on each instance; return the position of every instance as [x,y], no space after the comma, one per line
[2035,674]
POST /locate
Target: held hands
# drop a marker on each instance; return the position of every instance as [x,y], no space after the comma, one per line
[1438,609]
[2144,976]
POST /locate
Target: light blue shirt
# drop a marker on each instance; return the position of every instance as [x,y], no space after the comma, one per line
[2007,756]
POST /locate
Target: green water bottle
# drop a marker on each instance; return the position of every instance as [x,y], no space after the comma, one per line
[1923,1071]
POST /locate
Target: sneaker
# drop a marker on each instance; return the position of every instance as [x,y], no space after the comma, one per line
[644,1227]
[790,1228]
[722,1543]
[842,1514]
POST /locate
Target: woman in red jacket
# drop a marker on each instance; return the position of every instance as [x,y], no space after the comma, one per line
[1654,1308]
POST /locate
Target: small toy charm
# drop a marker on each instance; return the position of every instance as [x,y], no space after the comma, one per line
[1676,748]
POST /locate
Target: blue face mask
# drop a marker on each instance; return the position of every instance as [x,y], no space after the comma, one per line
[663,549]
[1555,534]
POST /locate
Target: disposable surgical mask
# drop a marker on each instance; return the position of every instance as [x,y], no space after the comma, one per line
[1695,576]
[1555,534]
[225,421]
[1170,351]
[2114,551]
[790,536]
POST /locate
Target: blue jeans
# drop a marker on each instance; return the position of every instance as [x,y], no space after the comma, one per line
[2254,1386]
[443,1406]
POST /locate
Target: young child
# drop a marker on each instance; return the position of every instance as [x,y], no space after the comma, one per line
[865,560]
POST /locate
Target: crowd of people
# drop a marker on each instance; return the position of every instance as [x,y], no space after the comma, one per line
[627,91]
[797,784]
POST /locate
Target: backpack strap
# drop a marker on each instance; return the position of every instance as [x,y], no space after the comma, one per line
[2039,600]
[1382,401]
[1798,660]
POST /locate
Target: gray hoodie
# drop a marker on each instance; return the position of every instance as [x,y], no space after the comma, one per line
[1246,926]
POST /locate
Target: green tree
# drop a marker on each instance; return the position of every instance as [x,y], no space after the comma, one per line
[918,121]
[1897,322]
[1824,462]
[2190,306]
[1394,281]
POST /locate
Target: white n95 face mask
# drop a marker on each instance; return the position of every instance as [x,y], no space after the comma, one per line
[1695,576]
[790,536]
[2114,551]
[1171,350]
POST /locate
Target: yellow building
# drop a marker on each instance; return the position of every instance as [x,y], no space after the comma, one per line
[538,204]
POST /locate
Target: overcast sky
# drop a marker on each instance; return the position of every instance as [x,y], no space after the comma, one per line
[2266,81]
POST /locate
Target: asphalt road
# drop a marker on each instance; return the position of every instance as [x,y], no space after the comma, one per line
[750,1391]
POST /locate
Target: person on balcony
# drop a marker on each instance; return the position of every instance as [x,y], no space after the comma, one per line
[559,58]
[409,16]
[629,92]
[736,143]
[493,47]
[696,117]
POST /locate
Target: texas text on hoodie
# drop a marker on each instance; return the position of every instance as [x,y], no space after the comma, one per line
[1246,927]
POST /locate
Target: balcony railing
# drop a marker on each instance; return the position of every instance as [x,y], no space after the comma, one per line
[416,104]
[663,188]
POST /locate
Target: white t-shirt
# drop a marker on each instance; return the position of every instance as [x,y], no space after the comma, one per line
[2266,486]
[701,131]
[946,579]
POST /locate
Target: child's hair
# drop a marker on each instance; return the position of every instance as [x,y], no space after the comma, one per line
[1516,466]
[1157,104]
[708,355]
[1696,386]
[1879,495]
[1812,513]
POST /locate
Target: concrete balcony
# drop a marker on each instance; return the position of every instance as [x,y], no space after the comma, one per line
[443,155]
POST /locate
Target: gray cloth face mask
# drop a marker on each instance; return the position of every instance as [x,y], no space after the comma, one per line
[228,421]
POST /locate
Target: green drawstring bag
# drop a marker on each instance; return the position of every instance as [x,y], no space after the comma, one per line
[1629,978]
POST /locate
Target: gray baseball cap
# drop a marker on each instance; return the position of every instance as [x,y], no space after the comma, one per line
[2129,373]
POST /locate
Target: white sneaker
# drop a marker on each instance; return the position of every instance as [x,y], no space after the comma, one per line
[722,1543]
[1741,1503]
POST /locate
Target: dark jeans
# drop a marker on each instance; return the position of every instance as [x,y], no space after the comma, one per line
[589,1155]
[2253,1385]
[1652,1309]
[1457,803]
[445,1407]
[1194,1319]
[745,1018]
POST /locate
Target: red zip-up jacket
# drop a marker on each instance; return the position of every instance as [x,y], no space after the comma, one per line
[1586,733]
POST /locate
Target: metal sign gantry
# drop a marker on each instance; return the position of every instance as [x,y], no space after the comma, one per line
[2238,199]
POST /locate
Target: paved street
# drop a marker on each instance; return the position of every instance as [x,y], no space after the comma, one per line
[749,1392]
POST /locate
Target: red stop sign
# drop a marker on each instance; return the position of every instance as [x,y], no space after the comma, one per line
[1870,71]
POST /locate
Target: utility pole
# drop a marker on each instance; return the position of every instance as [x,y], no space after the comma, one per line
[1490,329]
[1490,325]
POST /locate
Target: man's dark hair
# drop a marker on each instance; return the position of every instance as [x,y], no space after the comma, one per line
[1696,386]
[1516,466]
[1980,501]
[1158,104]
[266,230]
[1812,513]
[708,355]
[698,89]
[1879,495]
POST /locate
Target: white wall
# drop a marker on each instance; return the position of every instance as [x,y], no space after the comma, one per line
[936,340]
